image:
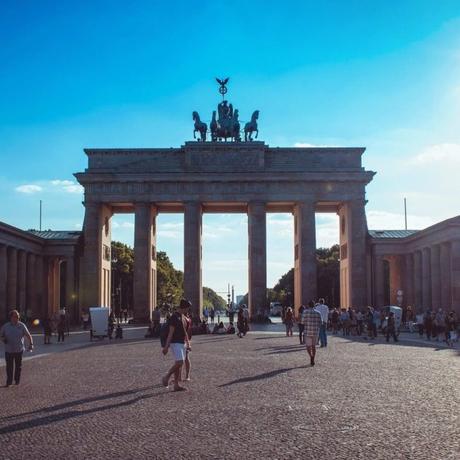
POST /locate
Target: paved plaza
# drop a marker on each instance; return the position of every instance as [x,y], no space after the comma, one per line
[254,397]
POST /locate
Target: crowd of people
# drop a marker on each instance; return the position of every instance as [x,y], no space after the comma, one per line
[313,321]
[437,325]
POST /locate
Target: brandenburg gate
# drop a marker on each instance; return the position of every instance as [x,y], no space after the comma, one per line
[219,176]
[201,177]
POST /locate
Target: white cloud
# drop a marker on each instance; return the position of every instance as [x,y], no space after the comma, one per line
[67,186]
[75,188]
[62,182]
[127,224]
[443,154]
[29,188]
[171,230]
[216,231]
[383,220]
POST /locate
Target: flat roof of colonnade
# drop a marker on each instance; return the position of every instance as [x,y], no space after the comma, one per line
[225,176]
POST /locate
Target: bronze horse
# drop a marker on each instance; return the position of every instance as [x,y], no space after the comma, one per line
[251,127]
[200,127]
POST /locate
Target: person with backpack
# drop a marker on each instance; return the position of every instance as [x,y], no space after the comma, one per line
[179,343]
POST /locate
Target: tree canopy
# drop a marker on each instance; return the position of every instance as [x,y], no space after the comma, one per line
[170,282]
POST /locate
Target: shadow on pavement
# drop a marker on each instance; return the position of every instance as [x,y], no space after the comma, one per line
[49,419]
[265,375]
[79,401]
[402,342]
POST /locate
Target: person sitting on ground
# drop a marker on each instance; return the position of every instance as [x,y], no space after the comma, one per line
[231,329]
[204,327]
[221,328]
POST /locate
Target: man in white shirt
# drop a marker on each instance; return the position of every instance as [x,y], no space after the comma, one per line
[323,310]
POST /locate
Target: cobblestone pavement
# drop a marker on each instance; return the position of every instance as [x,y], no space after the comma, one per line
[254,397]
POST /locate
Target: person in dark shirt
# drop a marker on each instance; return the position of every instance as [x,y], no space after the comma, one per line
[391,327]
[61,328]
[179,343]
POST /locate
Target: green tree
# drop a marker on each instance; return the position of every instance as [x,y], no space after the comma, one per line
[170,282]
[212,299]
[122,275]
[328,278]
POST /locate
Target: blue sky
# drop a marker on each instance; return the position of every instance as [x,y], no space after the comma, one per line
[384,75]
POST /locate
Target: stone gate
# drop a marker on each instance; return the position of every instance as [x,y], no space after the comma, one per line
[201,177]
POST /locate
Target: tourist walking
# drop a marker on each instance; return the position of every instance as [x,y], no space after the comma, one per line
[156,317]
[85,319]
[439,324]
[12,334]
[188,330]
[61,328]
[212,315]
[391,327]
[289,322]
[311,320]
[359,322]
[300,324]
[428,324]
[345,322]
[46,324]
[335,321]
[323,310]
[179,343]
[370,324]
[240,324]
[451,329]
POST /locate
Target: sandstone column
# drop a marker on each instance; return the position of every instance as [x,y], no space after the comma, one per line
[436,276]
[70,295]
[305,282]
[455,275]
[3,282]
[379,281]
[144,264]
[22,280]
[446,297]
[395,279]
[31,294]
[193,289]
[357,253]
[12,284]
[353,260]
[257,239]
[95,269]
[426,279]
[409,280]
[40,285]
[418,281]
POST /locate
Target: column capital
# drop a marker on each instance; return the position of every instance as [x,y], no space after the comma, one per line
[193,204]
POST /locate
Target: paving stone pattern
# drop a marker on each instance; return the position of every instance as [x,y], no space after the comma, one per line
[254,397]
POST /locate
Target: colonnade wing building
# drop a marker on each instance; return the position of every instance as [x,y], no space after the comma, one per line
[376,268]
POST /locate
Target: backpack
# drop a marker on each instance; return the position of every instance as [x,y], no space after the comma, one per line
[164,331]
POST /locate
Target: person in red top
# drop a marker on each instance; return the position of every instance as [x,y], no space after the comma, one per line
[179,343]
